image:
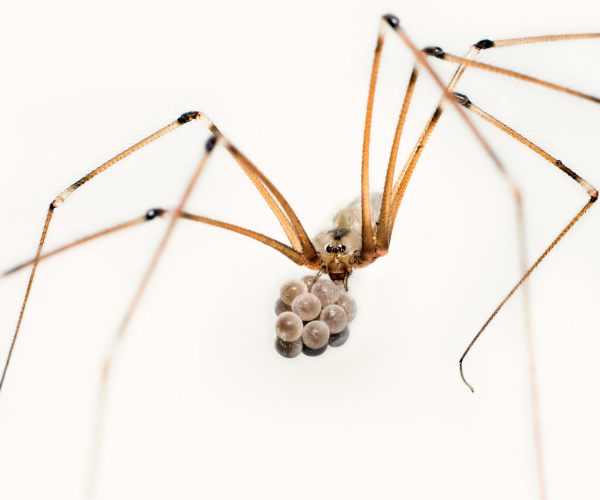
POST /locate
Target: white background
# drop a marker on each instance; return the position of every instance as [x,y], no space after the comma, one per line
[200,404]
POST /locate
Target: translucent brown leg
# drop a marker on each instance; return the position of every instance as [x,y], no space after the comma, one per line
[67,192]
[440,54]
[522,280]
[592,192]
[367,253]
[293,225]
[296,257]
[402,183]
[384,222]
[299,239]
[447,97]
[113,349]
[536,39]
[125,225]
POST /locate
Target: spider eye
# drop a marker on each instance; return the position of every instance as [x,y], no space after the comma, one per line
[335,250]
[342,248]
[328,248]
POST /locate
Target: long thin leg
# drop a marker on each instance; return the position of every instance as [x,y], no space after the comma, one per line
[367,254]
[522,280]
[60,200]
[296,257]
[149,216]
[263,184]
[536,39]
[466,61]
[401,187]
[370,249]
[486,44]
[291,226]
[383,224]
[112,351]
[440,54]
[592,192]
[447,97]
[386,221]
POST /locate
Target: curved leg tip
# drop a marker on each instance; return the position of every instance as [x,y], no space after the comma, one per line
[463,377]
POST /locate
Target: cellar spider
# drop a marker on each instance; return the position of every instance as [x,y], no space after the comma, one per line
[359,303]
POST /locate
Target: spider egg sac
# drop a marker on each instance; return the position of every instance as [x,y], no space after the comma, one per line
[309,351]
[326,291]
[315,334]
[309,279]
[307,306]
[288,326]
[291,289]
[348,304]
[288,349]
[281,306]
[338,339]
[334,317]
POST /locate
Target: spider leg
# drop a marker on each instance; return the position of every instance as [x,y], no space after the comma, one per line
[383,224]
[292,227]
[289,252]
[494,69]
[67,192]
[372,248]
[297,235]
[369,250]
[275,200]
[591,191]
[487,44]
[296,257]
[367,253]
[116,342]
[91,237]
[464,62]
[447,98]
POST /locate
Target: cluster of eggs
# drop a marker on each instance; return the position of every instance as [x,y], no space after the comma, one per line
[311,316]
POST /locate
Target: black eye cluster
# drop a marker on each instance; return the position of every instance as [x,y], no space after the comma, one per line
[329,248]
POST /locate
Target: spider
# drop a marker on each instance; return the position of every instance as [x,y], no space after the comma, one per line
[356,257]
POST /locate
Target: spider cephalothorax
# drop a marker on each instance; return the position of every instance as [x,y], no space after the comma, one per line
[337,246]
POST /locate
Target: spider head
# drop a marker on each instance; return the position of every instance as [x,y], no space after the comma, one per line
[335,247]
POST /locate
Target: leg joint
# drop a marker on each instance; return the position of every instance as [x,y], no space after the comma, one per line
[189,116]
[484,44]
